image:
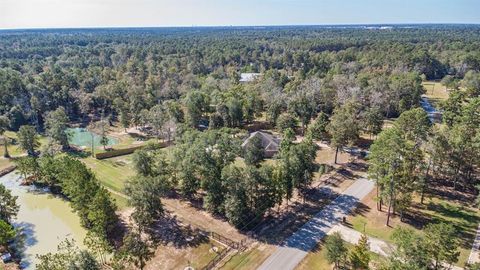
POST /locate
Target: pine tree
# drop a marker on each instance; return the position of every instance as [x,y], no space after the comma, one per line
[360,256]
[336,250]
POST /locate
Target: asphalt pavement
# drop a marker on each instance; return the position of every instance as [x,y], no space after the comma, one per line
[296,247]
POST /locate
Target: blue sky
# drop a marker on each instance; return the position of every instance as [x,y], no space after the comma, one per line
[120,13]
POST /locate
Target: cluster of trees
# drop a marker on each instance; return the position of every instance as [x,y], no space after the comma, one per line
[456,145]
[202,164]
[413,156]
[70,177]
[337,253]
[435,248]
[68,256]
[396,160]
[8,211]
[161,77]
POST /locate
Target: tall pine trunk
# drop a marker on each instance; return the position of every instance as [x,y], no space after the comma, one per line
[424,186]
[390,205]
[5,144]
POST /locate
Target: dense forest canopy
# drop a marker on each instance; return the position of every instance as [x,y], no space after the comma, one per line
[122,71]
[333,84]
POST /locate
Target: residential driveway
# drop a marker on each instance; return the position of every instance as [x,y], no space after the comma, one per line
[376,245]
[297,246]
[352,236]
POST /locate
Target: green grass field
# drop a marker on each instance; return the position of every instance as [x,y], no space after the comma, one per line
[250,259]
[435,92]
[112,172]
[120,201]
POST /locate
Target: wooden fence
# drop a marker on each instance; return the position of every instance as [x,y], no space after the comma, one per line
[220,256]
[117,152]
[240,246]
[127,151]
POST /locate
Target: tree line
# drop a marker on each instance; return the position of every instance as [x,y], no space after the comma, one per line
[165,77]
[414,156]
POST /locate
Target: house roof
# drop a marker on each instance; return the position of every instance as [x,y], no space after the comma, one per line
[249,77]
[269,141]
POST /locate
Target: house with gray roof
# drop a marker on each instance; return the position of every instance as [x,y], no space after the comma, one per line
[270,143]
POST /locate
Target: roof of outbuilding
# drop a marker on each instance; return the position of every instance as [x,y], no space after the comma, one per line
[249,77]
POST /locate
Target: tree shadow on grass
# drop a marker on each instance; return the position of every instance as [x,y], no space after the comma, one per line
[443,191]
[277,226]
[361,209]
[464,220]
[170,231]
[416,219]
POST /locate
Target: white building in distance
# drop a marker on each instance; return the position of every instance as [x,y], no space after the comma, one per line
[249,77]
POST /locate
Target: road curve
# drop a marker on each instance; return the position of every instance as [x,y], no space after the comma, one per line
[296,247]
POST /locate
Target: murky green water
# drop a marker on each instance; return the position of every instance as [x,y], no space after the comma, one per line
[83,137]
[43,221]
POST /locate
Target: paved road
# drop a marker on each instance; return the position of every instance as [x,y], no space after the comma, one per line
[297,246]
[475,253]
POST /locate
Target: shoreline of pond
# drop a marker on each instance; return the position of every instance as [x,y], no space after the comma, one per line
[44,220]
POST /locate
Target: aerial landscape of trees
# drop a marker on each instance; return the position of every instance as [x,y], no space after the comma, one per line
[181,88]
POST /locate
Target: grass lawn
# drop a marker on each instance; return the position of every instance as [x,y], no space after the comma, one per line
[317,259]
[13,149]
[112,172]
[249,259]
[169,257]
[435,92]
[120,201]
[464,218]
[199,256]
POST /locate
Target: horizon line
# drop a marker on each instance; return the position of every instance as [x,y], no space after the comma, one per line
[240,26]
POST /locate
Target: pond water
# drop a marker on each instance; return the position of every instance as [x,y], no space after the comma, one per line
[43,221]
[83,137]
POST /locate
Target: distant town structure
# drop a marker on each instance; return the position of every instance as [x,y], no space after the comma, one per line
[270,143]
[249,77]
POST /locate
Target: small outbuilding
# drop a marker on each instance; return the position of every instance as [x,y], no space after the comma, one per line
[249,77]
[270,143]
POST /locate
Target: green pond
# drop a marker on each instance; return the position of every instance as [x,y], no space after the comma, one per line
[83,137]
[43,221]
